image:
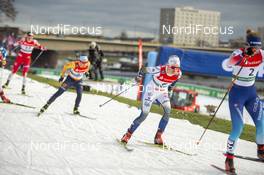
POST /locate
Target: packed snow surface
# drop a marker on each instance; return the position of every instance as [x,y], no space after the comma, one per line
[58,143]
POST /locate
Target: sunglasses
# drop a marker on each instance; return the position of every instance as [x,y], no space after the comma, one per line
[174,67]
[82,63]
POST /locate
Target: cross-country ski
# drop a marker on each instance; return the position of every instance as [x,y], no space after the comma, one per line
[124,145]
[166,147]
[81,115]
[249,158]
[223,170]
[18,104]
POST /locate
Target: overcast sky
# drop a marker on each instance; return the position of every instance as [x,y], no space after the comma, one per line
[137,17]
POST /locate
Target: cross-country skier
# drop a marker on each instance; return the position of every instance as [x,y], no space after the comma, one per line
[243,94]
[163,79]
[27,44]
[3,55]
[74,72]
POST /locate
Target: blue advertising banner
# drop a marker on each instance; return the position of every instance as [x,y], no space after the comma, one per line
[201,62]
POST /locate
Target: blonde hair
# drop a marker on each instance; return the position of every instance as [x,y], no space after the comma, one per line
[252,33]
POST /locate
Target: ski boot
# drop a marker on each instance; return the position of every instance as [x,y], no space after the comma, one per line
[23,90]
[76,111]
[4,98]
[229,163]
[158,139]
[43,109]
[261,152]
[126,137]
[6,84]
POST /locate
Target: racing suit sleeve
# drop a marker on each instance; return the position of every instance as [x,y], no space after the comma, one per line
[152,70]
[235,58]
[66,67]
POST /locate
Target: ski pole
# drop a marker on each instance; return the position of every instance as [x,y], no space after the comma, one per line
[117,95]
[14,48]
[36,58]
[228,89]
[2,74]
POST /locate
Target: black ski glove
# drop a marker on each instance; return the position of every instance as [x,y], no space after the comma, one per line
[139,75]
[86,74]
[169,89]
[61,79]
[250,51]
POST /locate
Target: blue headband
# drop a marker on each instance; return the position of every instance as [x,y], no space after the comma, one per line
[254,40]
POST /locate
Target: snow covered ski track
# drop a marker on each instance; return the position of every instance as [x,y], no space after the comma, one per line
[62,144]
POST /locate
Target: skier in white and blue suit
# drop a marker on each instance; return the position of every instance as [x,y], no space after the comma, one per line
[163,79]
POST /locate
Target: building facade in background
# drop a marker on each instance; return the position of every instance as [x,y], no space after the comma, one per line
[190,27]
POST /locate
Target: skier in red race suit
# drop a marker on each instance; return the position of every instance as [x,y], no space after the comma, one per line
[163,79]
[27,44]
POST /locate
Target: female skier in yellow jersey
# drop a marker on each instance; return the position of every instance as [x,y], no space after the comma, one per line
[74,71]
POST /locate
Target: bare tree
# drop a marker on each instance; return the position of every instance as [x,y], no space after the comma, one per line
[7,8]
